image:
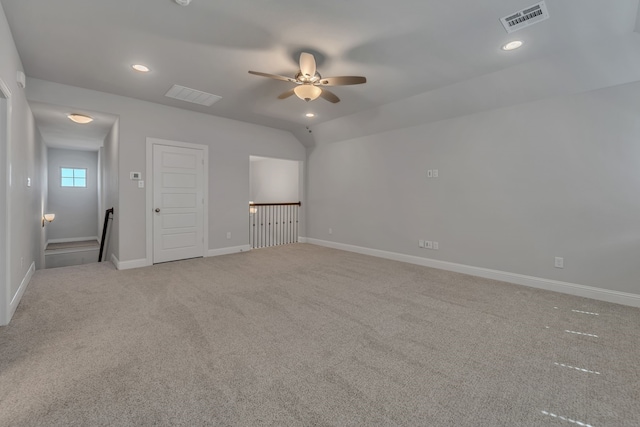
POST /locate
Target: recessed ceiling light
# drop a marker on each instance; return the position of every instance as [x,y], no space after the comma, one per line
[512,45]
[80,118]
[140,67]
[183,2]
[310,115]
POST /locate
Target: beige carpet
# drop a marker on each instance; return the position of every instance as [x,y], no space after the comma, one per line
[307,336]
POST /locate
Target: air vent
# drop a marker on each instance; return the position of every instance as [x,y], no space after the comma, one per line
[526,17]
[191,95]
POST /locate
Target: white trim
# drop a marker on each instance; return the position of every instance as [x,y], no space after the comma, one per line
[518,279]
[149,192]
[302,240]
[127,265]
[23,286]
[72,239]
[229,250]
[5,282]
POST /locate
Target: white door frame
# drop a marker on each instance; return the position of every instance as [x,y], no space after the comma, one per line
[149,193]
[6,307]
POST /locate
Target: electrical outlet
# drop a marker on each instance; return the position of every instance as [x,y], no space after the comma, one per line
[421,243]
[228,234]
[140,184]
[428,244]
[559,263]
[435,246]
[435,173]
[331,231]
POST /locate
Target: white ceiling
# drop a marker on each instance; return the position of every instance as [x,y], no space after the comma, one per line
[403,47]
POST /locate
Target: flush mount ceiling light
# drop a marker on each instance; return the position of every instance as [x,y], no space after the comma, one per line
[80,118]
[512,45]
[140,67]
[310,115]
[183,2]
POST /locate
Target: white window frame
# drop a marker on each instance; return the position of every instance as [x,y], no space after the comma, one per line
[74,169]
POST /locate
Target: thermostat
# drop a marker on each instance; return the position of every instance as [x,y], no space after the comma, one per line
[135,175]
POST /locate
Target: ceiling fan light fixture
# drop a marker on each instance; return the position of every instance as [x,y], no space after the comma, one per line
[80,118]
[307,92]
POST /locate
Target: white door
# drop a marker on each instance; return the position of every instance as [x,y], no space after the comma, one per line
[178,203]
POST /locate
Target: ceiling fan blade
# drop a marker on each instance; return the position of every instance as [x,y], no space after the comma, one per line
[273,76]
[285,95]
[341,81]
[329,96]
[307,64]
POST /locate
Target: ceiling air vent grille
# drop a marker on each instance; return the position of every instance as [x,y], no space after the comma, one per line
[191,95]
[526,17]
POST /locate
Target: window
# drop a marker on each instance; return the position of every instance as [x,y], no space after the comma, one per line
[71,177]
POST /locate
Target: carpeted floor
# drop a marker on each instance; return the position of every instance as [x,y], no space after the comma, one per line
[73,245]
[301,335]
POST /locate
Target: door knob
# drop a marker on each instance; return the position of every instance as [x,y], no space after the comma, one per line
[157,209]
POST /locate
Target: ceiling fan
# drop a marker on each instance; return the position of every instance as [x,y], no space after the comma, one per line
[310,84]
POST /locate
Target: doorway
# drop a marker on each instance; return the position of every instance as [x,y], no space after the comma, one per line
[274,207]
[72,194]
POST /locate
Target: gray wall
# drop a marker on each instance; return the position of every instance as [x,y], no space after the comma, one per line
[230,145]
[274,180]
[76,209]
[109,164]
[517,187]
[21,205]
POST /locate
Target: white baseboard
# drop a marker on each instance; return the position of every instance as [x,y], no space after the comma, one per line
[23,286]
[229,250]
[617,297]
[127,265]
[72,239]
[302,239]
